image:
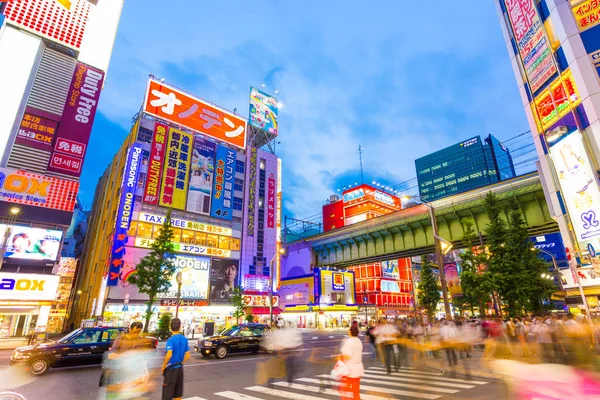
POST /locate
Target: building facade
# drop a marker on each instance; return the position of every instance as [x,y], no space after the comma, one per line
[465,166]
[554,49]
[55,56]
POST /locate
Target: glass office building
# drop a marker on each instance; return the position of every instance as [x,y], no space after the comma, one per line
[464,166]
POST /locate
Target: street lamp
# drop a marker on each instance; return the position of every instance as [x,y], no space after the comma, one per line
[178,279]
[553,263]
[277,254]
[12,218]
[441,247]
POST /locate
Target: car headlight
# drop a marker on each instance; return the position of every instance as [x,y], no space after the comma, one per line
[20,356]
[207,343]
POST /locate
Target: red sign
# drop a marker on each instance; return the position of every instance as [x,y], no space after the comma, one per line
[169,103]
[66,164]
[70,147]
[37,129]
[254,300]
[271,202]
[155,164]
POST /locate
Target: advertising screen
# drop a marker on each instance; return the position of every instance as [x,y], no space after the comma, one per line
[256,283]
[194,278]
[201,176]
[173,192]
[452,279]
[389,269]
[155,164]
[67,266]
[32,243]
[556,100]
[224,276]
[264,111]
[35,287]
[222,197]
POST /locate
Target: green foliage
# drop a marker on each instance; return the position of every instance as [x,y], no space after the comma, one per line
[164,326]
[239,307]
[154,271]
[249,318]
[429,294]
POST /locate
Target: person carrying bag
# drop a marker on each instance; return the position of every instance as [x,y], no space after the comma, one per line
[349,368]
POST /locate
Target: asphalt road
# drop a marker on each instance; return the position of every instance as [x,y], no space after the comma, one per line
[235,378]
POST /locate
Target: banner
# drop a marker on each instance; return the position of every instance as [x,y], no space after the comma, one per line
[554,102]
[76,122]
[251,191]
[169,103]
[155,164]
[587,14]
[30,287]
[264,111]
[194,278]
[186,248]
[222,197]
[201,176]
[173,191]
[223,279]
[29,243]
[37,129]
[389,269]
[186,224]
[452,279]
[271,201]
[124,212]
[37,190]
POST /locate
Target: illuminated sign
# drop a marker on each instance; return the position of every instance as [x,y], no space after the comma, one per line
[222,197]
[155,164]
[278,222]
[173,191]
[556,101]
[586,13]
[253,300]
[256,283]
[37,129]
[264,110]
[128,186]
[186,224]
[186,248]
[390,269]
[32,243]
[19,286]
[337,282]
[252,192]
[384,198]
[271,201]
[353,195]
[201,176]
[390,286]
[195,278]
[169,103]
[37,190]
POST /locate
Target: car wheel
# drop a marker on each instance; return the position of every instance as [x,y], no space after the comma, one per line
[221,352]
[39,366]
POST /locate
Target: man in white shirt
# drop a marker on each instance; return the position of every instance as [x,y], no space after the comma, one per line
[385,336]
[448,336]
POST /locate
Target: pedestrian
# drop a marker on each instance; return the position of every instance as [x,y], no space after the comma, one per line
[352,357]
[371,336]
[177,353]
[385,334]
[448,336]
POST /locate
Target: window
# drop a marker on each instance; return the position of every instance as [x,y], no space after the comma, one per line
[224,242]
[188,237]
[235,244]
[110,335]
[260,202]
[144,230]
[212,240]
[263,164]
[238,184]
[144,135]
[238,204]
[176,235]
[239,166]
[132,228]
[201,238]
[89,336]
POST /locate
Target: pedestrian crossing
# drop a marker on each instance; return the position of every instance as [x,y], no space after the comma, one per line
[376,384]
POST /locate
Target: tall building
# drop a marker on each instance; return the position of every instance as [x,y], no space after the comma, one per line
[554,49]
[206,165]
[464,166]
[54,56]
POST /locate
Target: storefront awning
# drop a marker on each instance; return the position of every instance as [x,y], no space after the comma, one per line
[264,310]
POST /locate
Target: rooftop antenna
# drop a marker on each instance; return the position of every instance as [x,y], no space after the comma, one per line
[360,153]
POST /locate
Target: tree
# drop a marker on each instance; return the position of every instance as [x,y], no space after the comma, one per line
[239,307]
[429,290]
[495,231]
[164,326]
[154,272]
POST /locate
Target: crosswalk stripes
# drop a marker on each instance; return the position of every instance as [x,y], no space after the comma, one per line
[408,383]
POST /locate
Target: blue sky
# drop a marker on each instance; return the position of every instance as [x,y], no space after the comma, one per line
[402,78]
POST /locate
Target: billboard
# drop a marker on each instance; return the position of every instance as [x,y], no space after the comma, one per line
[554,102]
[389,269]
[331,283]
[124,212]
[224,278]
[586,13]
[32,287]
[186,248]
[37,129]
[194,278]
[532,42]
[256,283]
[222,196]
[171,104]
[173,191]
[271,201]
[67,266]
[201,176]
[297,292]
[259,300]
[186,224]
[264,111]
[76,122]
[37,190]
[253,154]
[29,243]
[155,164]
[578,184]
[452,279]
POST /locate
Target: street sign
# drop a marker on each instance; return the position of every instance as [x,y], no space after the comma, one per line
[591,250]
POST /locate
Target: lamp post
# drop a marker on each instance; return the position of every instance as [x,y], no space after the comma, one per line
[277,254]
[556,270]
[439,242]
[178,279]
[12,218]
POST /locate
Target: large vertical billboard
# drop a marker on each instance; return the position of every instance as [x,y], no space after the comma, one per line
[155,164]
[222,196]
[251,172]
[224,279]
[76,122]
[264,111]
[173,191]
[533,45]
[201,176]
[124,212]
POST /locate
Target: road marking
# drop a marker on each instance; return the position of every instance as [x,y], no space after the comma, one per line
[281,393]
[331,337]
[430,381]
[411,374]
[332,392]
[223,362]
[410,369]
[396,384]
[236,396]
[194,398]
[379,389]
[315,337]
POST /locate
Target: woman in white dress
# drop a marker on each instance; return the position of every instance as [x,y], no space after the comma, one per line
[352,349]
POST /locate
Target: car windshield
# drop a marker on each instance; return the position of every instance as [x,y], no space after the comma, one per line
[70,336]
[230,331]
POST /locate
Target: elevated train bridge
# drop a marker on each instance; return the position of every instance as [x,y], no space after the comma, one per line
[408,232]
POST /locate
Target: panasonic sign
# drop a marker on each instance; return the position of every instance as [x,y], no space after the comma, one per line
[28,286]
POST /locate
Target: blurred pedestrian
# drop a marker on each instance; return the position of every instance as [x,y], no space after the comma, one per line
[449,336]
[371,336]
[352,357]
[177,353]
[385,334]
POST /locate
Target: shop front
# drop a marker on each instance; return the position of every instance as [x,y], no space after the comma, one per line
[257,305]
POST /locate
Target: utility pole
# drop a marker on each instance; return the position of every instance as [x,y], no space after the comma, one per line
[360,152]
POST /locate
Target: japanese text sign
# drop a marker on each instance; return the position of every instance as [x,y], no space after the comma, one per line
[155,164]
[222,196]
[173,191]
[556,101]
[271,201]
[587,14]
[201,176]
[166,102]
[75,126]
[252,191]
[124,212]
[37,129]
[533,45]
[194,278]
[253,300]
[37,190]
[186,224]
[338,281]
[186,248]
[264,111]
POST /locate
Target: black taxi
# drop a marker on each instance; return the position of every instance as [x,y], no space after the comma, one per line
[83,346]
[238,338]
